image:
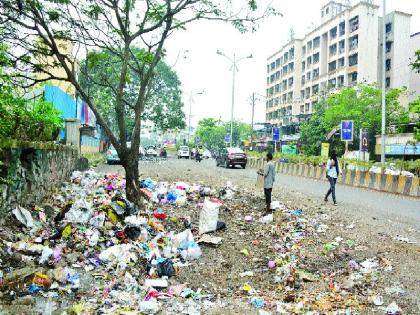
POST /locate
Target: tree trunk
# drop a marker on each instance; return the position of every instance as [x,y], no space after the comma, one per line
[131,166]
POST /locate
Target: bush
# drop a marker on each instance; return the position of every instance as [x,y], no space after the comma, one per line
[25,120]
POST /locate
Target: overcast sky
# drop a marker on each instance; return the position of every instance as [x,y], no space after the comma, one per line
[200,68]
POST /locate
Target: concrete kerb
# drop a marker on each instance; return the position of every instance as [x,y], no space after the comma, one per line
[403,185]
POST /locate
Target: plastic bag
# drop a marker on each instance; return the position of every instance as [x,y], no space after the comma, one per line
[23,216]
[209,216]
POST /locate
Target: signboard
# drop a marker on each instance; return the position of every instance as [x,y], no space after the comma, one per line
[346,130]
[402,149]
[288,149]
[365,140]
[276,134]
[325,149]
[227,137]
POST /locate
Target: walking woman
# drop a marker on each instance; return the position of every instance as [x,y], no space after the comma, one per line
[333,170]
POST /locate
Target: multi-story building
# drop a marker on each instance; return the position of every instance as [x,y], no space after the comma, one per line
[343,50]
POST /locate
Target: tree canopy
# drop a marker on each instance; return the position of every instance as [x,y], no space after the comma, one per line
[163,105]
[362,104]
[212,132]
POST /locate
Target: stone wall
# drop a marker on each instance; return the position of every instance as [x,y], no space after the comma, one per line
[403,185]
[30,170]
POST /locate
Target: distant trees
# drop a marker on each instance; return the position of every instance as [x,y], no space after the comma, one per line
[362,104]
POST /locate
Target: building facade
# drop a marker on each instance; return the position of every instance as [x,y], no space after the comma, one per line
[344,50]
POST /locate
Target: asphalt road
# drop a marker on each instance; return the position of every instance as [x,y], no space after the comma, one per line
[382,210]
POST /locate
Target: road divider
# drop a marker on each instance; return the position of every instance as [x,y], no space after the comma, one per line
[397,184]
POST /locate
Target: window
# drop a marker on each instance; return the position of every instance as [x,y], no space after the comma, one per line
[302,94]
[290,82]
[284,83]
[271,91]
[353,77]
[315,89]
[291,66]
[341,46]
[277,75]
[388,82]
[353,60]
[303,50]
[268,68]
[292,53]
[316,58]
[388,64]
[285,70]
[272,77]
[332,66]
[307,92]
[307,107]
[303,65]
[388,27]
[340,81]
[333,49]
[309,60]
[302,109]
[286,57]
[332,83]
[268,80]
[317,41]
[315,73]
[303,80]
[354,24]
[309,45]
[281,59]
[290,96]
[273,65]
[308,76]
[327,10]
[277,62]
[353,42]
[277,88]
[388,47]
[333,33]
[341,62]
[342,28]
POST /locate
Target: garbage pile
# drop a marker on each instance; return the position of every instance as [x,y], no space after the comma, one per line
[189,249]
[94,251]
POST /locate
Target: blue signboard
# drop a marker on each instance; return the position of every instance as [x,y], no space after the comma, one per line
[276,134]
[346,130]
[227,137]
[402,149]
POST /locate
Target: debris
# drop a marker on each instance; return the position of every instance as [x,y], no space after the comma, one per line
[23,216]
[209,215]
[211,240]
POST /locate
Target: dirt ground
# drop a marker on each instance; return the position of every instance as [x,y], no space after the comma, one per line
[326,260]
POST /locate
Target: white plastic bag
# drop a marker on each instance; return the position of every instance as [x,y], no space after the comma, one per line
[23,216]
[209,215]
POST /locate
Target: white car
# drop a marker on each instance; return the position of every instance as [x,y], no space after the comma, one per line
[207,154]
[151,152]
[183,152]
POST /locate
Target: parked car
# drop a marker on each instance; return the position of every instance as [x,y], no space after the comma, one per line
[207,154]
[183,152]
[230,157]
[151,152]
[112,156]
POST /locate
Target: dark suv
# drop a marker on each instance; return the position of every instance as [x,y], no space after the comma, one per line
[230,157]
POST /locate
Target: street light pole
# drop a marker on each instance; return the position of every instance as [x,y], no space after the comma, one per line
[233,99]
[383,82]
[189,116]
[234,68]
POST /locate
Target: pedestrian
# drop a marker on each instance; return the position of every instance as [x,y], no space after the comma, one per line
[333,170]
[269,178]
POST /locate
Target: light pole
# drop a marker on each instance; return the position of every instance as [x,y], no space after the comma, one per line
[189,116]
[253,99]
[383,82]
[234,69]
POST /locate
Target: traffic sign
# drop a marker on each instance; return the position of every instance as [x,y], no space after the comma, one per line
[365,140]
[346,130]
[276,134]
[227,137]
